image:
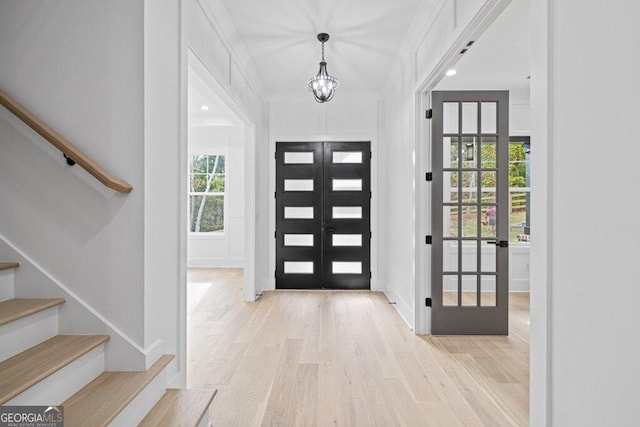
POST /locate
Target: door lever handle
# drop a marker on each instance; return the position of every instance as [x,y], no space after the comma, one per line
[329,229]
[500,243]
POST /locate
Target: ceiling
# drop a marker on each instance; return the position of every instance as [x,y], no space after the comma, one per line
[205,108]
[365,39]
[499,59]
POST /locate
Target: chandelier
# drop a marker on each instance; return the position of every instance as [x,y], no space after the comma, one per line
[323,85]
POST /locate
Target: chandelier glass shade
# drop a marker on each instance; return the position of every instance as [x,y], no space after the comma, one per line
[323,85]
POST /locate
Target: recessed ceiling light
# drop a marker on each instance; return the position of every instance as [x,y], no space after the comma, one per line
[204,107]
[451,72]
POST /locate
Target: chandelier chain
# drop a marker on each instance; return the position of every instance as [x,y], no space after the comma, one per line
[322,51]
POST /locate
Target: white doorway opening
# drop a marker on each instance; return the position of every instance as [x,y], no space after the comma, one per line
[220,178]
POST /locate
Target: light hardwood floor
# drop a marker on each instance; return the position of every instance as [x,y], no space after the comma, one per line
[322,358]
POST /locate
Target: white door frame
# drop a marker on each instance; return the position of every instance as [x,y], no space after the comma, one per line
[542,132]
[483,20]
[189,57]
[277,137]
[195,63]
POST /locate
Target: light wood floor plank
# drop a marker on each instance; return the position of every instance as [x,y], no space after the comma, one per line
[338,358]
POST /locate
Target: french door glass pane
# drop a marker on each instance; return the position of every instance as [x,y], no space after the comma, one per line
[488,294]
[469,290]
[450,189]
[450,290]
[488,258]
[489,117]
[488,196]
[469,187]
[489,182]
[450,117]
[450,152]
[469,154]
[488,152]
[469,221]
[450,256]
[469,117]
[450,221]
[469,256]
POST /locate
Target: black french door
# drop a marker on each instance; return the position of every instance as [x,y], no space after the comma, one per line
[323,198]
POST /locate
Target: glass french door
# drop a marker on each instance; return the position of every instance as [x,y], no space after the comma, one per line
[323,197]
[470,222]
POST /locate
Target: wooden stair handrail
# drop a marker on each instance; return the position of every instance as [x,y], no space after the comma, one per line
[68,149]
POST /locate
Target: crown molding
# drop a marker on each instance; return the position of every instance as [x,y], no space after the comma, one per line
[219,15]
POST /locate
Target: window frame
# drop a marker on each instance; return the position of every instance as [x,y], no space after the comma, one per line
[208,235]
[523,139]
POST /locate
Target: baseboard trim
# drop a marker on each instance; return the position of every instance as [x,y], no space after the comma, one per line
[401,306]
[123,353]
[215,263]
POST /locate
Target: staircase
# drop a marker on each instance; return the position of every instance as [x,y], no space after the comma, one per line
[41,366]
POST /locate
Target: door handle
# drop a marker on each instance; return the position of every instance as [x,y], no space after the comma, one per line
[500,243]
[330,229]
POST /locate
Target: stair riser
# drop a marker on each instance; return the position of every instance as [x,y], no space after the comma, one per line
[59,386]
[6,285]
[143,402]
[27,332]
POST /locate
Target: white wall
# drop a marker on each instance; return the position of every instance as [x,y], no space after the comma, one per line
[111,77]
[162,158]
[225,249]
[79,67]
[397,190]
[585,178]
[348,117]
[402,152]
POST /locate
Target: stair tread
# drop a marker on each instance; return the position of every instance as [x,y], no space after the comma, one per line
[25,369]
[179,408]
[100,401]
[9,265]
[17,308]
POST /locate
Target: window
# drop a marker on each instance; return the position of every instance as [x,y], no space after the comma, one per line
[519,189]
[207,189]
